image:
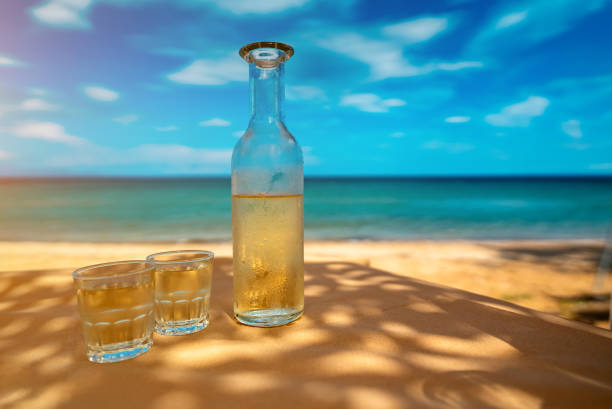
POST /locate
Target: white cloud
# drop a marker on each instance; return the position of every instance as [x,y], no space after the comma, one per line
[238,134]
[520,24]
[455,66]
[182,154]
[417,30]
[212,72]
[73,13]
[511,19]
[572,128]
[37,104]
[63,13]
[126,119]
[394,102]
[37,91]
[457,119]
[30,104]
[305,92]
[256,7]
[169,128]
[601,166]
[309,158]
[167,158]
[582,91]
[101,93]
[8,61]
[47,131]
[397,134]
[215,122]
[519,114]
[370,102]
[448,146]
[4,155]
[386,58]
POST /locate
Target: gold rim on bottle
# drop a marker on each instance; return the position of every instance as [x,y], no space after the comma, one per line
[286,48]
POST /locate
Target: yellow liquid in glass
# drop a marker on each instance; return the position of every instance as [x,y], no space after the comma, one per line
[182,296]
[268,238]
[116,314]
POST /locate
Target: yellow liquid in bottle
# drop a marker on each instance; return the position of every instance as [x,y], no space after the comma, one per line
[268,237]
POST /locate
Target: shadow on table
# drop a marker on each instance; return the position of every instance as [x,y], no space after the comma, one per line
[369,339]
[563,257]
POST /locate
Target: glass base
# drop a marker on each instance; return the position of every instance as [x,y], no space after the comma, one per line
[269,318]
[182,327]
[120,351]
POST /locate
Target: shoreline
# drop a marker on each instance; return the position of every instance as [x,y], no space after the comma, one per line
[325,240]
[547,275]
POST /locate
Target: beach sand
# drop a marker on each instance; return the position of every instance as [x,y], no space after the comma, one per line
[550,276]
[369,338]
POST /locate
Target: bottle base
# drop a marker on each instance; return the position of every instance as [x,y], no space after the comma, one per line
[269,317]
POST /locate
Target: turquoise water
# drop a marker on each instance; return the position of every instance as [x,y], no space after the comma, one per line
[200,209]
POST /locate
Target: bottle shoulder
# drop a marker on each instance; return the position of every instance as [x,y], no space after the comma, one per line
[275,144]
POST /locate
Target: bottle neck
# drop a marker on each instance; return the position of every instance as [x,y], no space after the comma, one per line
[267,94]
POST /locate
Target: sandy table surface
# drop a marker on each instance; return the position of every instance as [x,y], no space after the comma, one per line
[535,274]
[370,338]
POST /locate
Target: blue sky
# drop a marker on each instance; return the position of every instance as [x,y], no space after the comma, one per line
[152,87]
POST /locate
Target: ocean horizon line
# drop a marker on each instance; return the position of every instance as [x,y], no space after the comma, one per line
[475,177]
[133,209]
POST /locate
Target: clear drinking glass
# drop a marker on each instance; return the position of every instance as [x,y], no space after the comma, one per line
[116,307]
[267,200]
[183,281]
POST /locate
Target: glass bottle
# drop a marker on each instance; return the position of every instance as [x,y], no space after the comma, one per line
[267,200]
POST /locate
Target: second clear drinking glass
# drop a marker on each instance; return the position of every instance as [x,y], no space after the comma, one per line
[183,281]
[267,200]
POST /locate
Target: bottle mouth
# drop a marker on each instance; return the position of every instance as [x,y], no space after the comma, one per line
[266,54]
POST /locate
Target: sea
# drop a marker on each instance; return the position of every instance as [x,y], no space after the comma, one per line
[393,208]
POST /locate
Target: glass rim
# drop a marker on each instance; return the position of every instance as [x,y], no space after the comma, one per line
[206,255]
[148,265]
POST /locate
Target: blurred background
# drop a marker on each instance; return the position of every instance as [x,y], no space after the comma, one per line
[441,120]
[452,89]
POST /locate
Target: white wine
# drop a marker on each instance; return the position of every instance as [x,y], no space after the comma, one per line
[116,316]
[268,228]
[268,237]
[182,298]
